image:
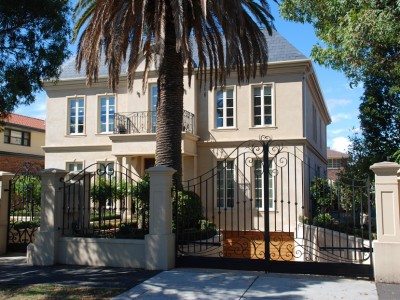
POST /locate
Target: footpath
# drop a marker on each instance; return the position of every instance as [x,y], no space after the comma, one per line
[193,284]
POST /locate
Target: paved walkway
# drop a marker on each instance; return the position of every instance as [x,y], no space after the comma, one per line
[196,283]
[225,285]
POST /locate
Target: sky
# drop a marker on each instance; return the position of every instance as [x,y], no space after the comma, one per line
[341,99]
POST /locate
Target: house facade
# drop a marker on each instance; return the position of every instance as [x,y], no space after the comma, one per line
[92,125]
[21,141]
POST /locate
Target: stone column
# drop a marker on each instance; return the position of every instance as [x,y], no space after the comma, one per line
[387,245]
[160,243]
[5,178]
[43,251]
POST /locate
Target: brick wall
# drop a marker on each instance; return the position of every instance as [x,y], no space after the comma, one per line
[10,163]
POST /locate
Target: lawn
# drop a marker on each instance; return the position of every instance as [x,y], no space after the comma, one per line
[54,292]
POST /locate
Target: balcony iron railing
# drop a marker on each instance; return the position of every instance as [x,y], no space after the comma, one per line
[145,122]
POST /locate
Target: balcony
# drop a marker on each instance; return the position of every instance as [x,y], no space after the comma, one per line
[145,122]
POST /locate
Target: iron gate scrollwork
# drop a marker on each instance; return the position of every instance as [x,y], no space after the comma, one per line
[270,207]
[24,207]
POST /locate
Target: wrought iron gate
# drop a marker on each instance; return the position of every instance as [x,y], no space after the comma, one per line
[24,207]
[268,207]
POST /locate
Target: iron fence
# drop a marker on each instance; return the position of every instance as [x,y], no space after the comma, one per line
[103,202]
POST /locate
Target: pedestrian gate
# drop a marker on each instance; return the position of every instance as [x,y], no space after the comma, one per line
[24,207]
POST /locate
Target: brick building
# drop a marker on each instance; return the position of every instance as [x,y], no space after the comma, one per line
[336,161]
[21,140]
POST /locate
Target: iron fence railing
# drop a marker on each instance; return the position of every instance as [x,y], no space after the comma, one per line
[145,122]
[105,203]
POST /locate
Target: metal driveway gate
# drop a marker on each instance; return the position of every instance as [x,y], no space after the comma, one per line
[24,207]
[267,207]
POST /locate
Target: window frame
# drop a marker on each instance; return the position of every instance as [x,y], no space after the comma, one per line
[74,163]
[224,197]
[271,186]
[69,115]
[152,121]
[108,115]
[25,136]
[225,108]
[262,105]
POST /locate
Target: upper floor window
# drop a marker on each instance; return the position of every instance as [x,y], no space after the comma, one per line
[334,163]
[314,123]
[76,116]
[107,110]
[153,106]
[262,105]
[17,137]
[225,108]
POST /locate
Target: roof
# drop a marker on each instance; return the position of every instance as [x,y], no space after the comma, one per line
[25,121]
[279,50]
[336,154]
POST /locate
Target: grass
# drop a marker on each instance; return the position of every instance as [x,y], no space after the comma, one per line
[56,292]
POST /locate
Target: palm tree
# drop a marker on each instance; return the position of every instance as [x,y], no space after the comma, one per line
[225,35]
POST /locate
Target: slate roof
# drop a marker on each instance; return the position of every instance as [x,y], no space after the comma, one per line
[15,119]
[279,50]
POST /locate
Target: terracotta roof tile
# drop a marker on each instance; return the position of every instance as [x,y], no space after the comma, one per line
[336,154]
[26,121]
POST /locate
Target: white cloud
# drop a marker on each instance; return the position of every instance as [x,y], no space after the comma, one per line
[333,103]
[341,144]
[339,131]
[341,116]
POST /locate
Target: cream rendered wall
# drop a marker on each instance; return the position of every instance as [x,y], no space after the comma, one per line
[37,141]
[287,98]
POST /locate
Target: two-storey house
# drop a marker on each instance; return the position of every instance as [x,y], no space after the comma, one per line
[91,124]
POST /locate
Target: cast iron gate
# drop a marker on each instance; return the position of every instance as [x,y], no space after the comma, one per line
[269,208]
[24,207]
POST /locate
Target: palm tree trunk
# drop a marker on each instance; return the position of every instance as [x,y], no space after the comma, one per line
[170,102]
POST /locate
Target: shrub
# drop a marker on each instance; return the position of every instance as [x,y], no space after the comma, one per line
[189,211]
[323,219]
[29,187]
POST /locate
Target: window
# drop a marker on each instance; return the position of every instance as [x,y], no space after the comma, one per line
[259,186]
[76,115]
[262,105]
[107,110]
[17,137]
[225,109]
[225,184]
[153,105]
[314,123]
[334,163]
[74,166]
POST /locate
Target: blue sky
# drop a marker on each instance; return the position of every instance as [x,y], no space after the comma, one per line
[342,101]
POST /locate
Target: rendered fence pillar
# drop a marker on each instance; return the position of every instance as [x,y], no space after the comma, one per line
[43,251]
[160,242]
[387,245]
[5,178]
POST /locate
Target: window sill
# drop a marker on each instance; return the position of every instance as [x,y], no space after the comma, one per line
[225,129]
[76,135]
[104,133]
[264,127]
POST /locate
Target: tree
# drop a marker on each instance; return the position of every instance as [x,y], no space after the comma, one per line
[225,35]
[380,127]
[34,38]
[360,37]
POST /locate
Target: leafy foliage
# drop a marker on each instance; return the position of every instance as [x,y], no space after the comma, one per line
[29,187]
[34,38]
[379,138]
[360,37]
